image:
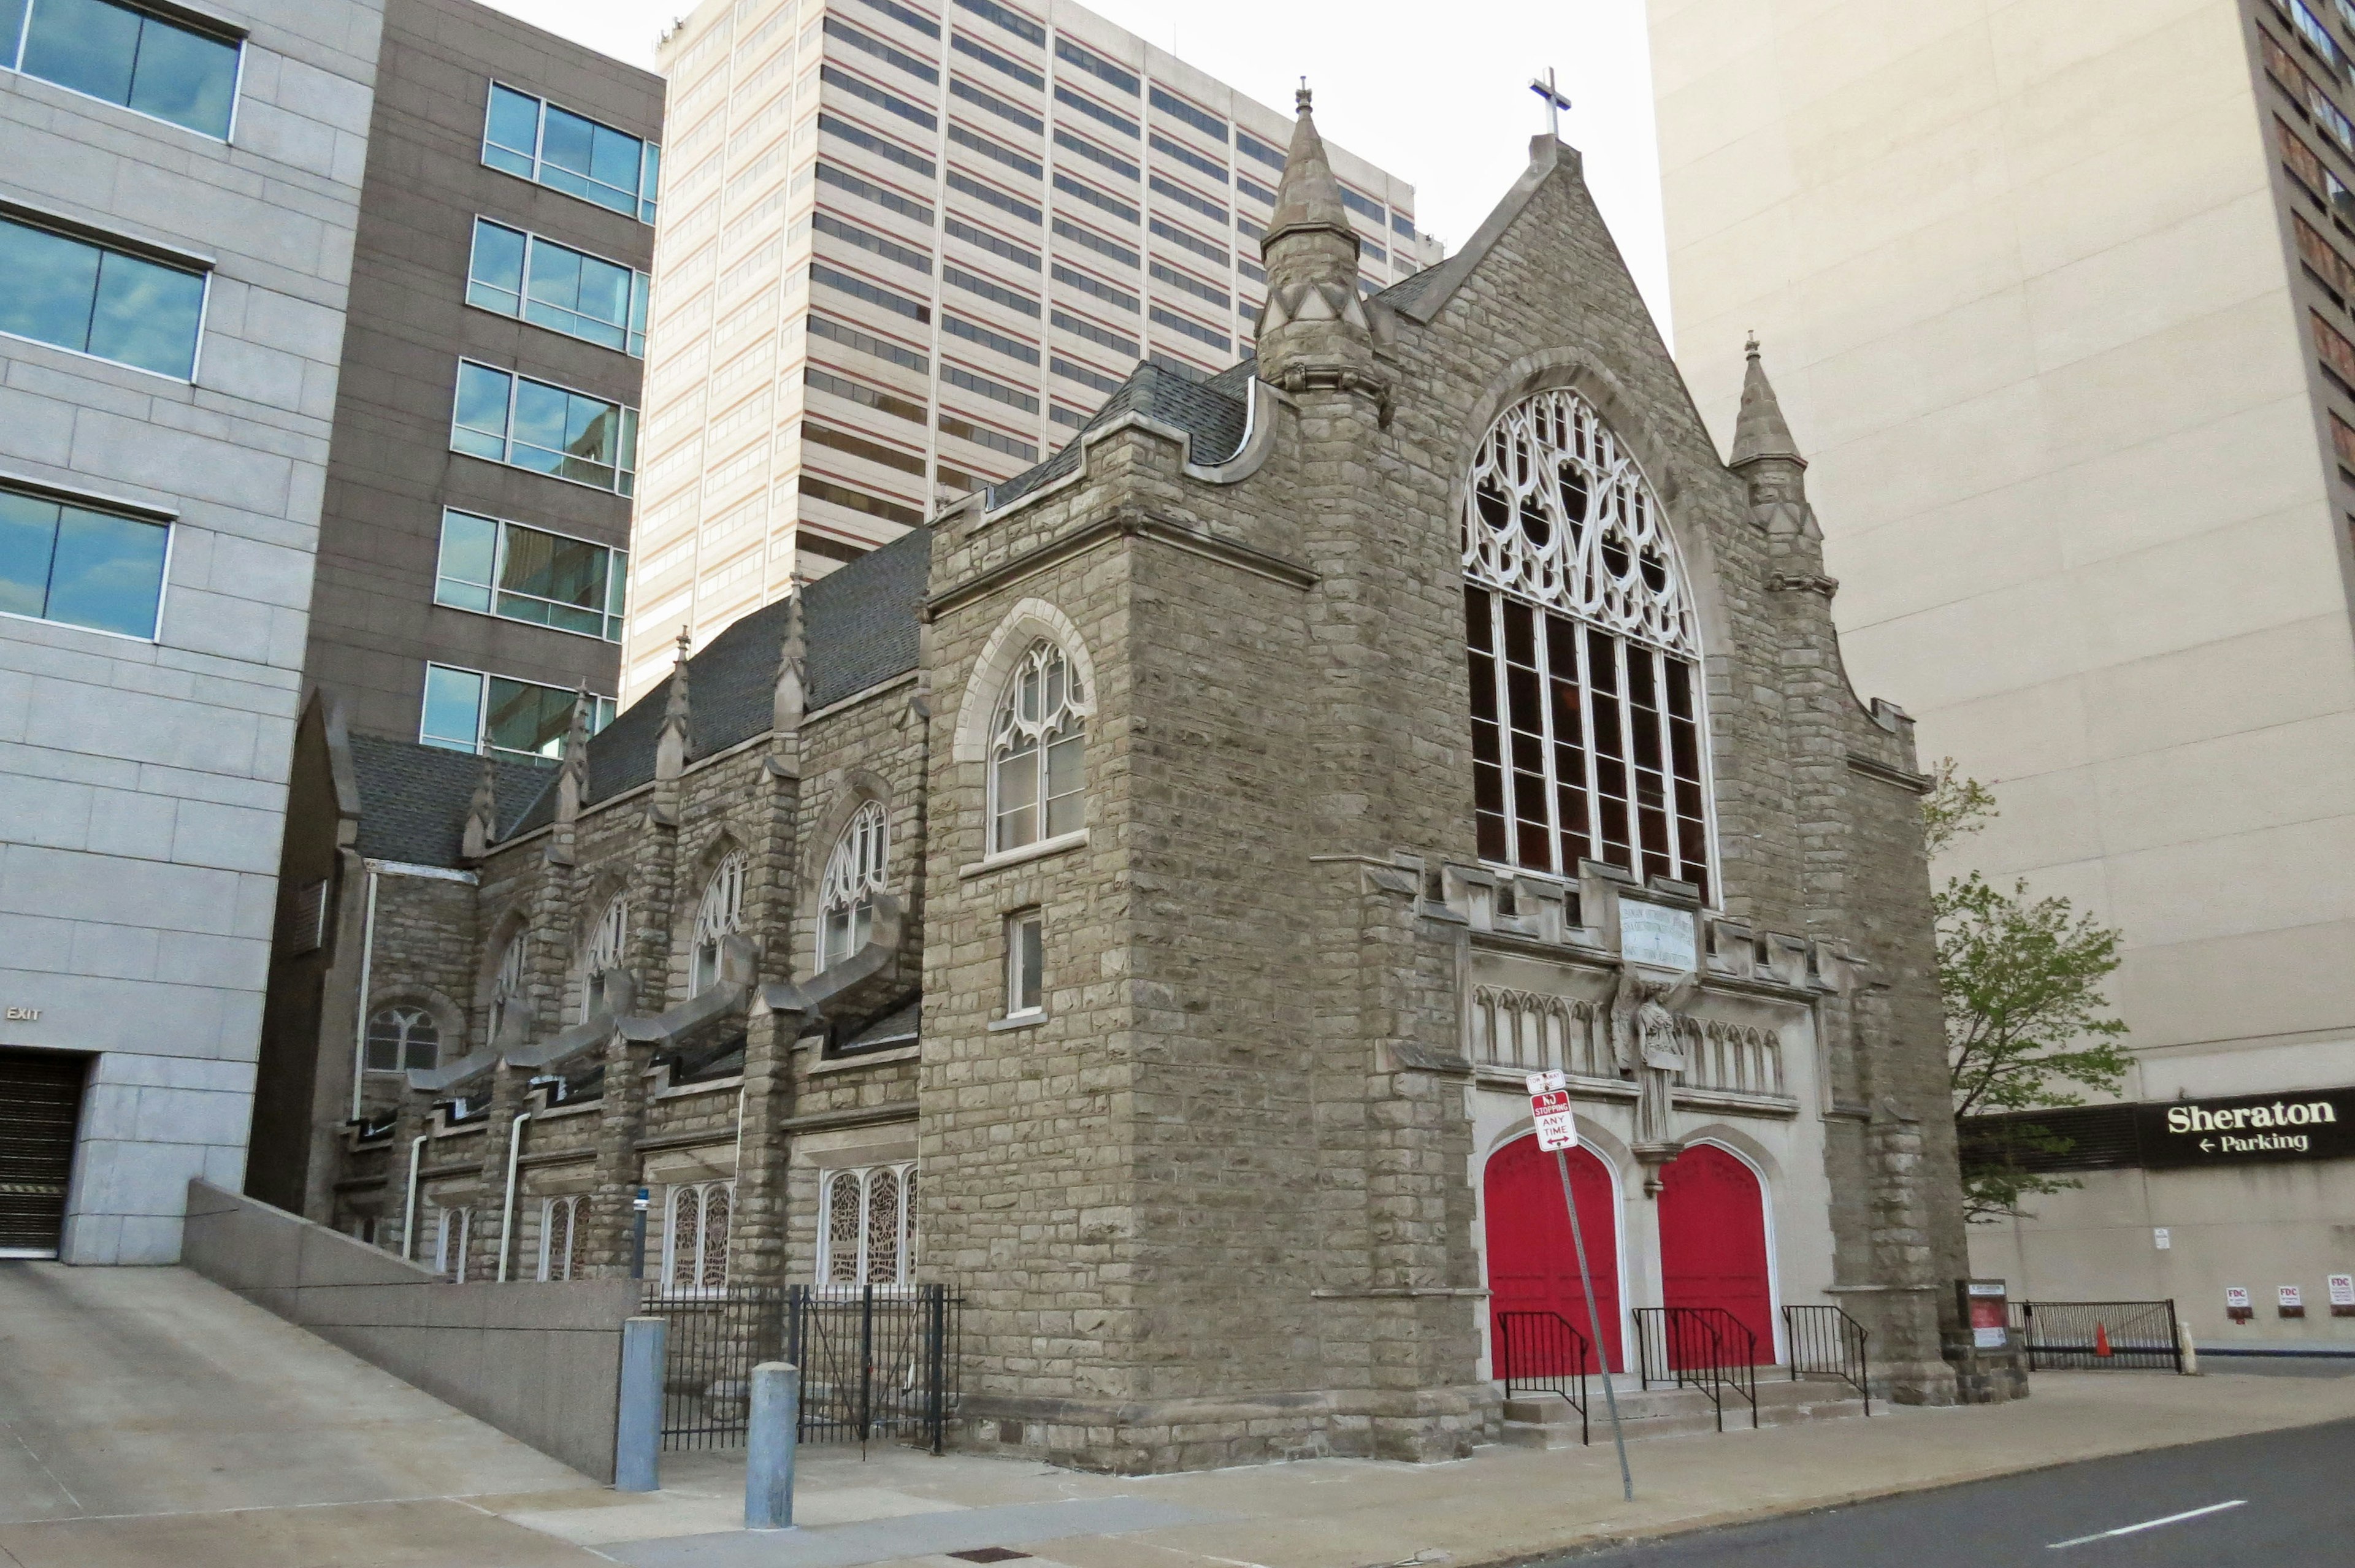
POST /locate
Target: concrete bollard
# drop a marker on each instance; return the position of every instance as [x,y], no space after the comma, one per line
[2191,1351]
[769,1444]
[638,1430]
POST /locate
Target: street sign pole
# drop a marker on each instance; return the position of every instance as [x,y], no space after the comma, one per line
[1558,1131]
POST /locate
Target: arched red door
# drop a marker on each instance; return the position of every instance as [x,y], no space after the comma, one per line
[1531,1267]
[1714,1240]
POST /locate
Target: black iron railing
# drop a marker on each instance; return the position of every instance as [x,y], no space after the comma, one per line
[1826,1342]
[1540,1352]
[878,1363]
[2099,1336]
[1706,1348]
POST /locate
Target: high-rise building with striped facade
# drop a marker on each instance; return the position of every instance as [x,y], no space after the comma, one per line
[909,246]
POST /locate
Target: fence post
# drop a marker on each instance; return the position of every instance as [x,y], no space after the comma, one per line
[769,1444]
[637,1428]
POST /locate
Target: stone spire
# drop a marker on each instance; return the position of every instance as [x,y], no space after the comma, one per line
[482,816]
[671,750]
[572,780]
[1313,330]
[1758,429]
[791,699]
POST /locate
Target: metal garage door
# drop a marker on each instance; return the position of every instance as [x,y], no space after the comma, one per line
[40,1107]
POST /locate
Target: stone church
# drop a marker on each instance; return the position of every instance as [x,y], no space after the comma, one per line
[1136,900]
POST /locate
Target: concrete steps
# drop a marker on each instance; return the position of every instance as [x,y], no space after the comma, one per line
[1549,1421]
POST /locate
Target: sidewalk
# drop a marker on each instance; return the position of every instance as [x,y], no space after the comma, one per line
[907,1510]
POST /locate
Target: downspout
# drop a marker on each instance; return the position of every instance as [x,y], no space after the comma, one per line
[359,1023]
[507,1214]
[408,1218]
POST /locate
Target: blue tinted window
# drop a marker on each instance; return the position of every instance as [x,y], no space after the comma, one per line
[510,419]
[129,56]
[12,27]
[77,296]
[453,709]
[83,568]
[571,152]
[511,139]
[495,278]
[556,287]
[480,426]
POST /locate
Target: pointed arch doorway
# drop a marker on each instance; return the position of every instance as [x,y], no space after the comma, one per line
[1714,1240]
[1532,1265]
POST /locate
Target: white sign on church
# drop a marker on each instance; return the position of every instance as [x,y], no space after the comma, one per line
[1657,935]
[1550,1108]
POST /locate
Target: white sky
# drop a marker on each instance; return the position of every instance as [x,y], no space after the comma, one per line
[1436,94]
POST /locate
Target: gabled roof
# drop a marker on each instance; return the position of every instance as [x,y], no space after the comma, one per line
[1213,411]
[860,620]
[414,798]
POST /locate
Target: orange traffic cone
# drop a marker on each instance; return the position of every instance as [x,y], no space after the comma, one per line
[2101,1339]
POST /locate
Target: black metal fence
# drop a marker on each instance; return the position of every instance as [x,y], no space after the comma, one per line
[1540,1352]
[879,1363]
[1826,1342]
[1705,1348]
[2099,1336]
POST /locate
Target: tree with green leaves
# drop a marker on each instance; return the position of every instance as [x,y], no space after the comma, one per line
[2028,1027]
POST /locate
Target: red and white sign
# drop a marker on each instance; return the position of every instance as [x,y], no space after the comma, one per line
[2236,1303]
[2343,1290]
[2289,1295]
[1550,1108]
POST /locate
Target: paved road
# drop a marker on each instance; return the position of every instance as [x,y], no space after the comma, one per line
[2292,1495]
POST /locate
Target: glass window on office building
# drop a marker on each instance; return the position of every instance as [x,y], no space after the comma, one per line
[75,293]
[170,67]
[469,711]
[83,568]
[549,430]
[556,287]
[536,140]
[521,574]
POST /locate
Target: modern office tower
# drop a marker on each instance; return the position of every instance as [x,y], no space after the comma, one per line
[2057,300]
[179,196]
[907,246]
[472,551]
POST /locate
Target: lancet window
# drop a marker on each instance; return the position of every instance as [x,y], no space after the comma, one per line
[606,946]
[854,874]
[867,1234]
[719,915]
[506,981]
[559,1219]
[403,1037]
[1587,734]
[1037,747]
[697,1244]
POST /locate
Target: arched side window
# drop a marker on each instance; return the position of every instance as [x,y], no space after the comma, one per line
[1038,741]
[854,874]
[721,913]
[697,1244]
[1587,725]
[403,1039]
[559,1222]
[866,1230]
[607,944]
[506,982]
[454,1229]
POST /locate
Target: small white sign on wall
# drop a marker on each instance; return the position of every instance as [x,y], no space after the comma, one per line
[2343,1290]
[1657,935]
[2160,1239]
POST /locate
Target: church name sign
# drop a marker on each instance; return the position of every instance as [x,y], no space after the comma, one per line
[2308,1125]
[1657,935]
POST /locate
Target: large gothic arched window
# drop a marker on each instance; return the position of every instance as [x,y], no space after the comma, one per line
[854,874]
[1586,696]
[1037,744]
[721,914]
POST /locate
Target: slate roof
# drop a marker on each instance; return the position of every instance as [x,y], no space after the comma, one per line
[859,622]
[1213,411]
[1407,290]
[414,798]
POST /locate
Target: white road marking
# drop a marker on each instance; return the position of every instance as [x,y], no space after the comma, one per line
[2148,1524]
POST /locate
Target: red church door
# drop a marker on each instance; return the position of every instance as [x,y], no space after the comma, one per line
[1531,1267]
[1714,1240]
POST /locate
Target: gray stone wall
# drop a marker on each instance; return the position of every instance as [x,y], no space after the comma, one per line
[143,783]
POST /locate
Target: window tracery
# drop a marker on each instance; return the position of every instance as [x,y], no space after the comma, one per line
[866,1230]
[1584,648]
[403,1037]
[720,914]
[698,1241]
[556,1223]
[854,874]
[1036,751]
[506,980]
[606,946]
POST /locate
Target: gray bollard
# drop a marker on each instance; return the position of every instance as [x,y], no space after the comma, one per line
[769,1445]
[637,1429]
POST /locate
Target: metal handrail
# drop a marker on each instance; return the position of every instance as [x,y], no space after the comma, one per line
[1706,1348]
[1825,1341]
[1543,1352]
[2099,1336]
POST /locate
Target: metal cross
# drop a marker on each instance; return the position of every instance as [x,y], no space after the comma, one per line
[1556,101]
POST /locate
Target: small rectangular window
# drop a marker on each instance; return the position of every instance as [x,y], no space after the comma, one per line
[522,573]
[555,286]
[536,141]
[550,430]
[128,56]
[84,568]
[467,711]
[77,294]
[1026,963]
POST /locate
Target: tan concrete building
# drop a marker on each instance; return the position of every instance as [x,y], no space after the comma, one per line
[906,249]
[2057,299]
